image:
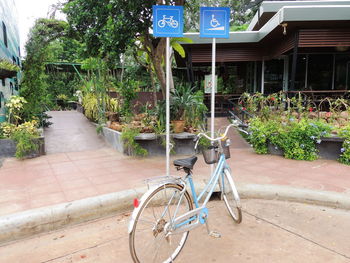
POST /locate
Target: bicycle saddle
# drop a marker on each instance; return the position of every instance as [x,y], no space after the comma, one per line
[187,162]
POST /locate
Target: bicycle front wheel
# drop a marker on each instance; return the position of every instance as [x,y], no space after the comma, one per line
[230,196]
[149,240]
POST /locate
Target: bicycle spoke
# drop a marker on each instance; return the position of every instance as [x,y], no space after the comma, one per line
[148,241]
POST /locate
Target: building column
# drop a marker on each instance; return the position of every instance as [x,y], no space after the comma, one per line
[255,75]
[294,63]
[262,76]
[306,70]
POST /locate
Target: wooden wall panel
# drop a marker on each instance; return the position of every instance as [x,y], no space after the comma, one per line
[226,54]
[324,37]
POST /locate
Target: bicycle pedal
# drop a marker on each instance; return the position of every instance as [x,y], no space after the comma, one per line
[214,234]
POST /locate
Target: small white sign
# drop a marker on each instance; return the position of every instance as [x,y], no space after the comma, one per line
[208,84]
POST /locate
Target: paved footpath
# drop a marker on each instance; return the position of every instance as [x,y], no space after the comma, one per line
[71,132]
[64,177]
[271,231]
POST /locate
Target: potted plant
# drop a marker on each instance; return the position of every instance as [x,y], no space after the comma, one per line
[182,99]
[7,69]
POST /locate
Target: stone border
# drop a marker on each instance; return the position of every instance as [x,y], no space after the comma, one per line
[154,144]
[8,148]
[31,222]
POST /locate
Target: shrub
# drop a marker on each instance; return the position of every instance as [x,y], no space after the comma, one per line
[296,138]
[128,136]
[345,155]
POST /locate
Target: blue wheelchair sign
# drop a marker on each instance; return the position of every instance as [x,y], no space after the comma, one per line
[167,21]
[214,22]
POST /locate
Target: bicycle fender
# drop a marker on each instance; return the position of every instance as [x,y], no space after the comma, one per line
[142,201]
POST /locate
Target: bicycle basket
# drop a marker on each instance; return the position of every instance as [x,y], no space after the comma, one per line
[226,149]
[210,155]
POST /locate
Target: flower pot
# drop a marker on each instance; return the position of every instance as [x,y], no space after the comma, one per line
[178,126]
[5,73]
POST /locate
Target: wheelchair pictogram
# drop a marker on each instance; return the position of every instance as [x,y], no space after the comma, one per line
[170,21]
[214,22]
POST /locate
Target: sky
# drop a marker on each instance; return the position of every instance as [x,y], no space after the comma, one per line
[28,12]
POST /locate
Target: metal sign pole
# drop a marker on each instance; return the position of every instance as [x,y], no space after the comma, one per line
[212,118]
[167,106]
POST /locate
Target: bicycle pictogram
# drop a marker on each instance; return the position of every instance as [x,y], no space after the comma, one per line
[168,21]
[214,22]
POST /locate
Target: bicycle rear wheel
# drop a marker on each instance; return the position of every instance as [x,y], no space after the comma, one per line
[230,196]
[148,241]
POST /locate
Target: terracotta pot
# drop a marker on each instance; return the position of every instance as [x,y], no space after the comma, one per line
[178,126]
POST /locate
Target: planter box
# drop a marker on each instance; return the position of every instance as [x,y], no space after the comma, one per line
[329,148]
[8,148]
[273,149]
[80,108]
[154,144]
[4,73]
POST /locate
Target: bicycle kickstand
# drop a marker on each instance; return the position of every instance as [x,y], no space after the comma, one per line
[214,234]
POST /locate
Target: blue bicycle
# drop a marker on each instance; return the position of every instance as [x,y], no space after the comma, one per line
[161,222]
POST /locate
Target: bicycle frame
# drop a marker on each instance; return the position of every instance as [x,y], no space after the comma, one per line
[197,216]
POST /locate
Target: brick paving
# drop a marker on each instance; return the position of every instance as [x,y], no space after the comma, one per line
[63,177]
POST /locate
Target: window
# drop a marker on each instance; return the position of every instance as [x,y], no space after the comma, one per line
[299,79]
[4,31]
[1,99]
[11,88]
[342,72]
[320,72]
[3,82]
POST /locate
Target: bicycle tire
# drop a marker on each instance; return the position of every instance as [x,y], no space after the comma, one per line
[161,23]
[150,217]
[230,196]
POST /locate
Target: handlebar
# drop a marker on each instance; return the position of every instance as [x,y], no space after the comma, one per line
[236,124]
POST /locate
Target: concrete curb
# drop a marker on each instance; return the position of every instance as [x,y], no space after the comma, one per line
[31,222]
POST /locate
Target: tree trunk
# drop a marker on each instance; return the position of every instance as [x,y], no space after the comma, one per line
[155,100]
[160,75]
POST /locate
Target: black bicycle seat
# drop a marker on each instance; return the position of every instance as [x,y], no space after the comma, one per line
[186,163]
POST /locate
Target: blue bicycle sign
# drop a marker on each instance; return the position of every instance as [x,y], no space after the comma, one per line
[215,22]
[167,21]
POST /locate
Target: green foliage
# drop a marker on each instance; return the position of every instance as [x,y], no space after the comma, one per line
[345,150]
[238,8]
[174,43]
[15,106]
[23,134]
[127,91]
[296,138]
[25,143]
[186,102]
[34,85]
[259,132]
[236,27]
[204,143]
[7,65]
[128,136]
[109,27]
[90,105]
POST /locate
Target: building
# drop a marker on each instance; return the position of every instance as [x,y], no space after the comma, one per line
[9,50]
[289,46]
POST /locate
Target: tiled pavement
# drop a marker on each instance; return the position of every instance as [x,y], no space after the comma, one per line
[64,177]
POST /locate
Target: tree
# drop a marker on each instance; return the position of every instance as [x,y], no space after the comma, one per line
[111,26]
[33,86]
[241,12]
